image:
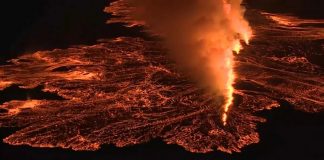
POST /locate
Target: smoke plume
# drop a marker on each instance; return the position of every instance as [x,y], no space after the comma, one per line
[201,36]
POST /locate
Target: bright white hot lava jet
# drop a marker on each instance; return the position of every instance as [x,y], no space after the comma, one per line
[235,15]
[201,37]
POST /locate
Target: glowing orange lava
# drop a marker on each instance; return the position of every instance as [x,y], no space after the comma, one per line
[237,47]
[229,86]
[234,14]
[204,47]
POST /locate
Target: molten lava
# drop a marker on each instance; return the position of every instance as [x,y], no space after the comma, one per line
[235,16]
[237,47]
[135,92]
[127,91]
[229,85]
[200,36]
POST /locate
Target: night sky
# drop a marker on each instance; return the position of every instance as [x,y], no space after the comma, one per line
[29,26]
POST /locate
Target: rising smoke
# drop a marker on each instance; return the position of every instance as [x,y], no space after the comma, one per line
[200,34]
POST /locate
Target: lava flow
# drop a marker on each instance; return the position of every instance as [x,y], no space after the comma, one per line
[127,91]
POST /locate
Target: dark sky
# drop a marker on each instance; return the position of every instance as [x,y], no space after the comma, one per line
[301,8]
[28,26]
[41,24]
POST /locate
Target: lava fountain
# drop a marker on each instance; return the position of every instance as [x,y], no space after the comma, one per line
[201,37]
[126,91]
[234,13]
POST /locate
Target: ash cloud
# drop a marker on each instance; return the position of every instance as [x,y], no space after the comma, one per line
[200,35]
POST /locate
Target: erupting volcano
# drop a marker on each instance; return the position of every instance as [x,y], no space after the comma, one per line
[198,74]
[200,35]
[235,16]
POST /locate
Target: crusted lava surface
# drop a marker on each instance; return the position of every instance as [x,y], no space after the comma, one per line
[127,91]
